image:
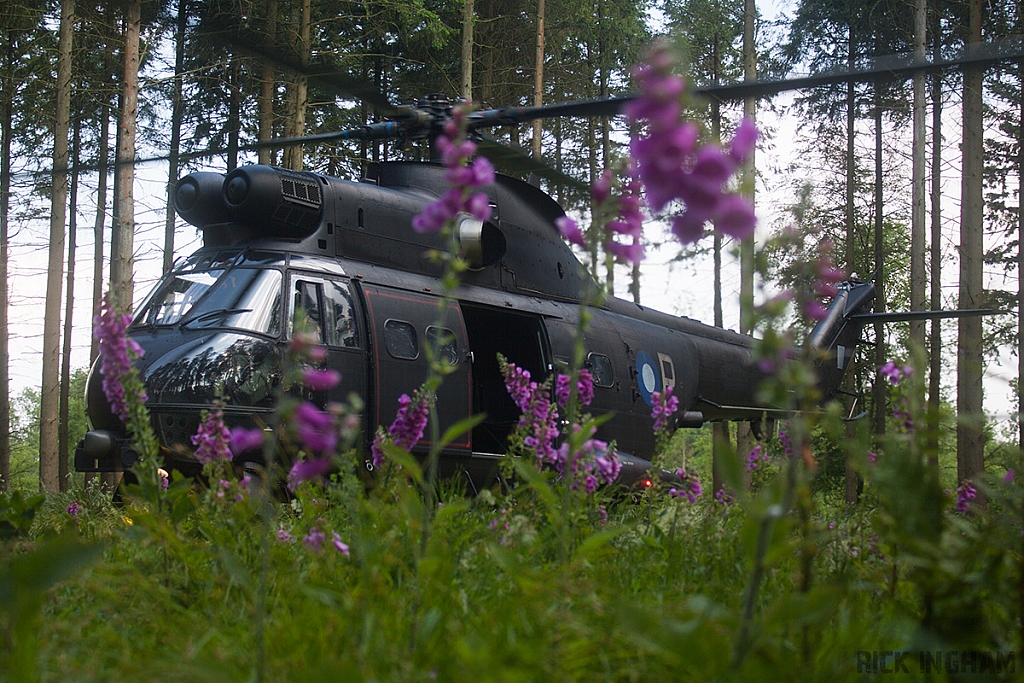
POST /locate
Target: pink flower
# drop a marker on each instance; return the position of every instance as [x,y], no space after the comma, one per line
[570,231]
[462,176]
[674,166]
[340,546]
[117,352]
[315,428]
[307,470]
[211,441]
[314,540]
[320,380]
[244,440]
[408,426]
[664,407]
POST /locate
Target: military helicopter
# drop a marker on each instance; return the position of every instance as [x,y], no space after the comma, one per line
[276,241]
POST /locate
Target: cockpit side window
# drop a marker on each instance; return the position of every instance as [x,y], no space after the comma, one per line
[340,315]
[307,307]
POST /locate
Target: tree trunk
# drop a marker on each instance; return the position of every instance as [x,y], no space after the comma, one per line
[1020,251]
[63,435]
[49,399]
[744,436]
[935,269]
[917,227]
[267,85]
[538,79]
[467,51]
[293,155]
[879,392]
[102,154]
[177,113]
[6,125]
[852,480]
[122,261]
[969,435]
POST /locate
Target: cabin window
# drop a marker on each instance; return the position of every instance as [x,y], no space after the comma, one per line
[444,341]
[668,371]
[341,319]
[601,369]
[400,340]
[307,311]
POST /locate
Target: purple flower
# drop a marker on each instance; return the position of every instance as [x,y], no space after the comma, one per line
[73,509]
[211,441]
[462,176]
[243,440]
[570,231]
[891,372]
[320,380]
[965,493]
[723,497]
[663,408]
[307,470]
[540,416]
[756,457]
[339,544]
[815,310]
[1008,477]
[117,351]
[584,388]
[408,426]
[689,486]
[314,540]
[674,166]
[872,457]
[284,537]
[608,466]
[315,428]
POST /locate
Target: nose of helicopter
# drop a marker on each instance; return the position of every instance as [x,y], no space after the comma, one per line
[183,379]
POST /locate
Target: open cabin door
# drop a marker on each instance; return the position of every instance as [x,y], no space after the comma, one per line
[520,337]
[401,323]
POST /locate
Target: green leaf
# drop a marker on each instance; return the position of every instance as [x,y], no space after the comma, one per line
[460,428]
[29,576]
[404,459]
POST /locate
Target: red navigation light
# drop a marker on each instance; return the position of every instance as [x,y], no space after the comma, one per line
[647,483]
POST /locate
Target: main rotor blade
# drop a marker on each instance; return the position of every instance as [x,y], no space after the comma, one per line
[923,315]
[329,76]
[508,116]
[514,160]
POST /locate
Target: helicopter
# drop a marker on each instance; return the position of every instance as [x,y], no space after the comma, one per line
[278,241]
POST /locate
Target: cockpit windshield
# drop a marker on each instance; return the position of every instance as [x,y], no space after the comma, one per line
[240,298]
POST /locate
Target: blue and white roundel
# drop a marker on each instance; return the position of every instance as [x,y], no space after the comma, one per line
[648,379]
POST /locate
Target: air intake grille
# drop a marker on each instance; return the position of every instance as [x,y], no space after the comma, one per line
[300,190]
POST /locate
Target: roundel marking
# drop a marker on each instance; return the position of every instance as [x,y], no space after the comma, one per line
[648,379]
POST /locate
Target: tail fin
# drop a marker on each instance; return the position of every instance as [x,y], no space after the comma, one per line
[837,335]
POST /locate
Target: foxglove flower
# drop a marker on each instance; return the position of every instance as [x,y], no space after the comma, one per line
[463,176]
[689,485]
[244,440]
[965,493]
[664,407]
[320,380]
[211,441]
[315,428]
[674,166]
[307,470]
[408,426]
[117,352]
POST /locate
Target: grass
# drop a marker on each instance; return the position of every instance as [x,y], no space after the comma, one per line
[657,592]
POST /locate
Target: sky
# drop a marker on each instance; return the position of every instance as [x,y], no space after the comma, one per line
[678,287]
